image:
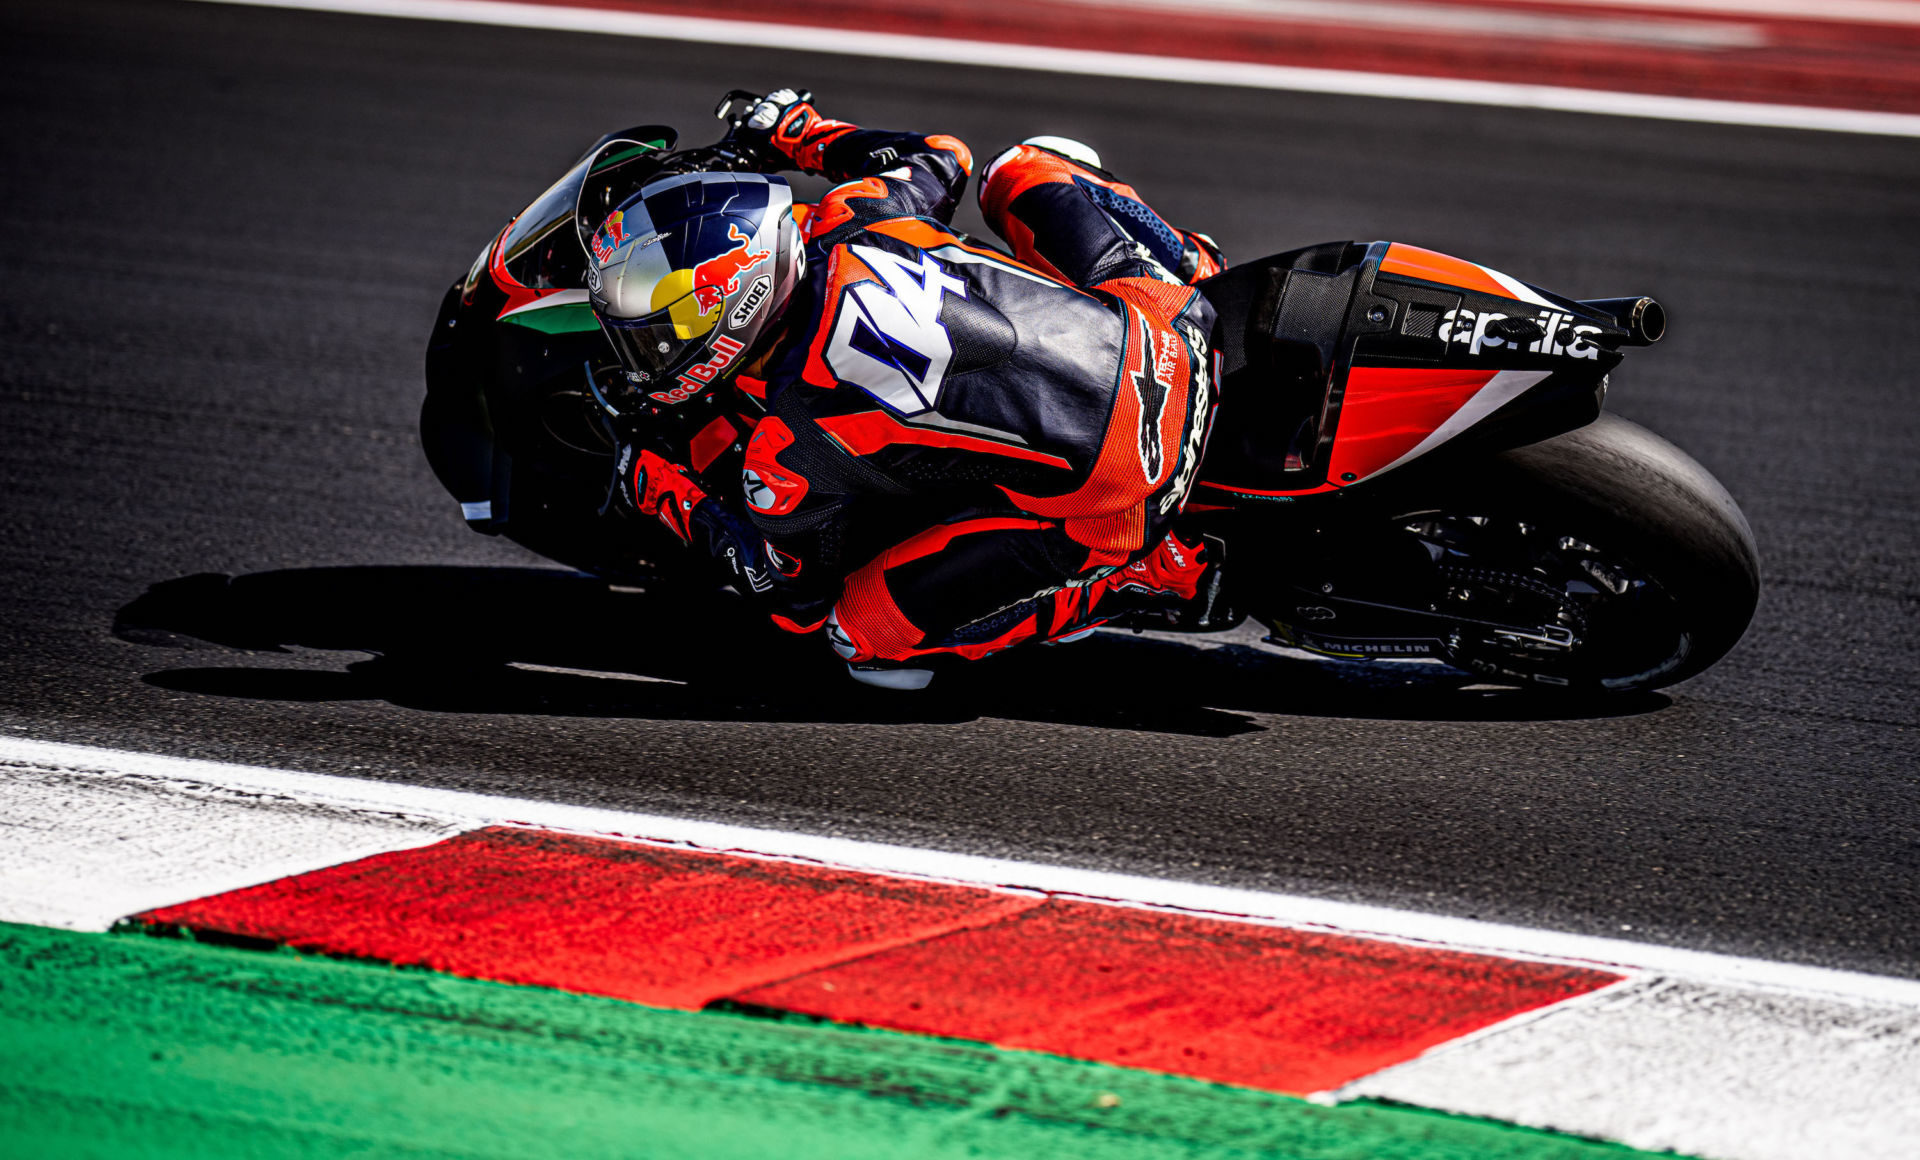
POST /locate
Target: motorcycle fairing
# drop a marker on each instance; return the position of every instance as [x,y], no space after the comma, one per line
[1344,362]
[1394,415]
[536,260]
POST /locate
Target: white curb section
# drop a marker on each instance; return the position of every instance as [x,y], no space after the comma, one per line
[83,845]
[1711,1071]
[1711,1055]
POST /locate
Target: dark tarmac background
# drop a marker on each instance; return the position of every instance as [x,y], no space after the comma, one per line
[224,233]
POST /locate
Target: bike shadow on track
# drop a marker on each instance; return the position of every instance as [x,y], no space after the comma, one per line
[556,643]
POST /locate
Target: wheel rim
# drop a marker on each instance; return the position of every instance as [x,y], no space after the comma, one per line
[1579,612]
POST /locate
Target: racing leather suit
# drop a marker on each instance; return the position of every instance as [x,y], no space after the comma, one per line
[961,451]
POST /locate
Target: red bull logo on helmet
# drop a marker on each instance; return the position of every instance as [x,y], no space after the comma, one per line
[611,235]
[718,277]
[693,295]
[698,377]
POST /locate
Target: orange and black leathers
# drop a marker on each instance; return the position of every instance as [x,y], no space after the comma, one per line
[960,447]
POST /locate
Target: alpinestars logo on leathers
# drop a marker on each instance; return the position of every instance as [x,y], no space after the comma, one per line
[1151,381]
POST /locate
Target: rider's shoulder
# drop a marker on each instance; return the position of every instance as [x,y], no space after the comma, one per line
[902,234]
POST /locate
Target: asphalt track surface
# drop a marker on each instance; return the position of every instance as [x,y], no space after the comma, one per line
[224,232]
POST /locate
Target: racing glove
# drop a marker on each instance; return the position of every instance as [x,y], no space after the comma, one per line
[650,485]
[1200,257]
[783,113]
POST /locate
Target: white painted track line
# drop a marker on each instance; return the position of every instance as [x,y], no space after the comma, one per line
[1894,12]
[1709,1071]
[807,38]
[21,756]
[1465,19]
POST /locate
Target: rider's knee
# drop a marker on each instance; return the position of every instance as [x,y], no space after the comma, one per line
[1035,161]
[1078,153]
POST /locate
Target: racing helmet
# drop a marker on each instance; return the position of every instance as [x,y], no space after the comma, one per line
[688,275]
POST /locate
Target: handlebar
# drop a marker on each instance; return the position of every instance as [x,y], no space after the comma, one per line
[724,111]
[733,110]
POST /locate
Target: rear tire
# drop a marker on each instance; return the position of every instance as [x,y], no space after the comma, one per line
[1646,518]
[1601,561]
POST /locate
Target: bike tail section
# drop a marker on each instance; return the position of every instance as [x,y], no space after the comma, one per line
[1345,362]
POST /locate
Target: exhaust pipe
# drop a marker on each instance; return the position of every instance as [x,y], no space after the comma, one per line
[1644,319]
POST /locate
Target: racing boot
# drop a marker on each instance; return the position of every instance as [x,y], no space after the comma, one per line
[890,675]
[874,671]
[1176,587]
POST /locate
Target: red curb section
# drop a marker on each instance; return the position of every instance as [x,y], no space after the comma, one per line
[1833,64]
[1265,1007]
[1237,1002]
[664,927]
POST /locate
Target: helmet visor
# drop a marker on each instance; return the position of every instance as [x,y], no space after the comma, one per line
[654,343]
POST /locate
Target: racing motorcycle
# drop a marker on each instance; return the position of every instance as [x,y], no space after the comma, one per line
[1408,457]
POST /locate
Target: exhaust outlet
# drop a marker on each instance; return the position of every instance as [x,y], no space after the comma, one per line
[1644,319]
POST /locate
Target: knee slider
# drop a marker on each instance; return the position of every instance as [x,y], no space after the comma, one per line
[1067,147]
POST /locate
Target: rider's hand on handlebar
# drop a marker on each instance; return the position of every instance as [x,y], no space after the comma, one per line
[647,484]
[783,111]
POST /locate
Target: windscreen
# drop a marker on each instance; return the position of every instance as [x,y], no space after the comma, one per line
[540,251]
[613,173]
[529,250]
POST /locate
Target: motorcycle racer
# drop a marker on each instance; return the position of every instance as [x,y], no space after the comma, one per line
[961,451]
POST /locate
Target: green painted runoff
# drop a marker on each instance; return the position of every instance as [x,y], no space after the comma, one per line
[126,1045]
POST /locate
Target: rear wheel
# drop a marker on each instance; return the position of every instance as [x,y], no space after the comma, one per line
[1602,561]
[1570,613]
